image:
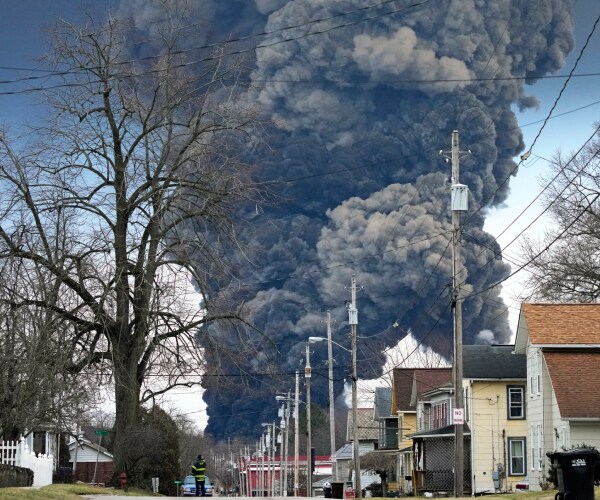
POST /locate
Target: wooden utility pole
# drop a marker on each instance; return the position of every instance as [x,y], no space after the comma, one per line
[459,200]
[308,374]
[353,320]
[297,437]
[331,394]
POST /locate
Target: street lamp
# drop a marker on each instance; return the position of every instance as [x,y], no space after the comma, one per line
[356,447]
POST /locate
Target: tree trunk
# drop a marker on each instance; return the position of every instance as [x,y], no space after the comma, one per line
[127,418]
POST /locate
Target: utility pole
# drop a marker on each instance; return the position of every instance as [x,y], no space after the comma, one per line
[297,438]
[286,444]
[307,375]
[353,320]
[459,203]
[272,464]
[331,395]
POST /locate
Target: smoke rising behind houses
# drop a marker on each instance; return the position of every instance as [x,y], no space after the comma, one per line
[362,102]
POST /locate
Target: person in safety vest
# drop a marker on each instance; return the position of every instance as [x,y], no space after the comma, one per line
[199,472]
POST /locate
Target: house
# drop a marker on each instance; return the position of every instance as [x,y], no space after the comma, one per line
[408,384]
[433,443]
[386,420]
[87,458]
[343,463]
[562,346]
[387,443]
[494,387]
[368,432]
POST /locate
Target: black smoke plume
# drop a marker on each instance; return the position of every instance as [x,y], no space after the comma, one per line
[362,102]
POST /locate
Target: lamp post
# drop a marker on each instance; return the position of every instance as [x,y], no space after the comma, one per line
[356,448]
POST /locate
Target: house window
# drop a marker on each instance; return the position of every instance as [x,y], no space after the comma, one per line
[532,377]
[533,437]
[564,437]
[516,402]
[516,456]
[539,371]
[540,443]
[440,415]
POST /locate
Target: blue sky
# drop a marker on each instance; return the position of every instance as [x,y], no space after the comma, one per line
[567,133]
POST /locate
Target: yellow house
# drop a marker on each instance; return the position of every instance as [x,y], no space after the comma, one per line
[408,385]
[494,385]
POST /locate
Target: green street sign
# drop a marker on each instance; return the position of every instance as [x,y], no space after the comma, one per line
[102,432]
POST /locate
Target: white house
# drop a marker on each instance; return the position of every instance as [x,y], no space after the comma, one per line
[87,457]
[562,344]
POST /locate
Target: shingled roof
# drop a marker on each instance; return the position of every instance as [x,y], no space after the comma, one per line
[409,383]
[368,429]
[561,324]
[571,374]
[484,362]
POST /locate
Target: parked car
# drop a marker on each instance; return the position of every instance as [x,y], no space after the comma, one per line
[188,487]
[522,486]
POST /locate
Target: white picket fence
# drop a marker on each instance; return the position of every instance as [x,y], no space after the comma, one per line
[17,453]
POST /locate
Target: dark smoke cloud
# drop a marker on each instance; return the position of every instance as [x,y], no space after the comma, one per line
[374,102]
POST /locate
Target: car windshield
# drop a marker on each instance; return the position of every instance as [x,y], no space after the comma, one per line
[189,480]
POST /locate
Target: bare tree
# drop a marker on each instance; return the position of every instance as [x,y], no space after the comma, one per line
[38,392]
[409,352]
[565,264]
[383,464]
[125,198]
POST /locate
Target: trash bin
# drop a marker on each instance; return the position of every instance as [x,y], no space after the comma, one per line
[337,490]
[575,473]
[327,489]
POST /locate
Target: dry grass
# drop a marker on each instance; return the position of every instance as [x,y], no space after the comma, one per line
[63,492]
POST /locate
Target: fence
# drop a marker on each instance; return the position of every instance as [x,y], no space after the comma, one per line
[17,453]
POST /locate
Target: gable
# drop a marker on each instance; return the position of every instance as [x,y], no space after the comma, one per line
[493,362]
[88,452]
[410,383]
[561,324]
[573,376]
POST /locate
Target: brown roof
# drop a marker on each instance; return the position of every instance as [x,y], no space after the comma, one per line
[409,383]
[368,429]
[572,374]
[563,323]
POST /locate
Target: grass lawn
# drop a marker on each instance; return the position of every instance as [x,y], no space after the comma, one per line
[64,492]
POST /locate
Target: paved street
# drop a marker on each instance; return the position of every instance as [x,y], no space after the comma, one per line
[112,497]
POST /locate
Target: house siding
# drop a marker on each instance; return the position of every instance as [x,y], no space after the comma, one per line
[565,338]
[490,430]
[585,433]
[536,406]
[407,424]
